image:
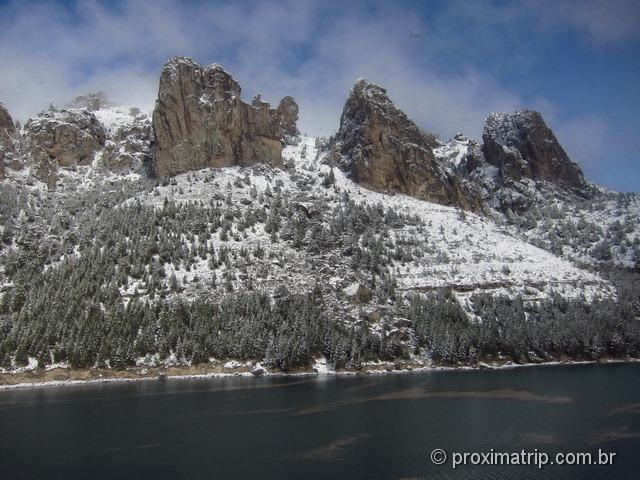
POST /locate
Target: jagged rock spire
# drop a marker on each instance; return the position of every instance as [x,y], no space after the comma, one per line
[288,112]
[385,150]
[200,121]
[521,145]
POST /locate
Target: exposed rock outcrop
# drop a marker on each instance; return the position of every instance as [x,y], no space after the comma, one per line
[7,128]
[128,133]
[128,148]
[385,150]
[90,101]
[288,112]
[521,145]
[521,163]
[62,139]
[6,122]
[200,121]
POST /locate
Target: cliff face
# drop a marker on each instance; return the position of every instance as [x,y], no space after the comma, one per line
[62,139]
[128,148]
[288,112]
[521,145]
[200,121]
[521,164]
[385,150]
[6,130]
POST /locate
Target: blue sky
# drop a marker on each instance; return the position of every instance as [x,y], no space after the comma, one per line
[448,64]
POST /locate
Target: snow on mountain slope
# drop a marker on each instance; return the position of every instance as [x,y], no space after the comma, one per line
[114,117]
[454,151]
[459,250]
[603,228]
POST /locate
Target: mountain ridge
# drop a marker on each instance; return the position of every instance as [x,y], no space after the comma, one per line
[119,259]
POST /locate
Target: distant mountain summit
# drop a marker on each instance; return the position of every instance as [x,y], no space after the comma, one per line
[519,160]
[519,163]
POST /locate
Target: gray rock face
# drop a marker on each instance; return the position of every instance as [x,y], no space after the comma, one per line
[128,148]
[62,139]
[6,130]
[385,150]
[288,112]
[6,122]
[521,164]
[521,145]
[258,370]
[505,195]
[473,161]
[200,121]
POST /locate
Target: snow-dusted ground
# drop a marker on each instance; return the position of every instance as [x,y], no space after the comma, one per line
[115,117]
[604,219]
[458,249]
[461,250]
[453,152]
[465,251]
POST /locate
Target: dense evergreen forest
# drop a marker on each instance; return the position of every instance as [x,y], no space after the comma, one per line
[99,279]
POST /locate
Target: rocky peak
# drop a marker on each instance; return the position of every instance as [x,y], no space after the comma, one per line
[128,134]
[521,145]
[62,139]
[288,112]
[385,150]
[200,121]
[128,148]
[90,101]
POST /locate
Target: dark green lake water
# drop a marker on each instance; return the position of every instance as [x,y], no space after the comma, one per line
[351,427]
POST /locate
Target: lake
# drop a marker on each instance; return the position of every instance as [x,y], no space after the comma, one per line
[355,427]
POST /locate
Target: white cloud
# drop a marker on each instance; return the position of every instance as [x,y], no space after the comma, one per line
[276,49]
[311,51]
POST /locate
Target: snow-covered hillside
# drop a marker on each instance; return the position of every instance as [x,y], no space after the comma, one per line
[458,250]
[452,248]
[105,265]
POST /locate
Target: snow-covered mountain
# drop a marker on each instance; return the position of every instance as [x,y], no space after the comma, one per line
[211,231]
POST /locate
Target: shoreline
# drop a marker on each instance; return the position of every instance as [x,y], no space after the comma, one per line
[78,377]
